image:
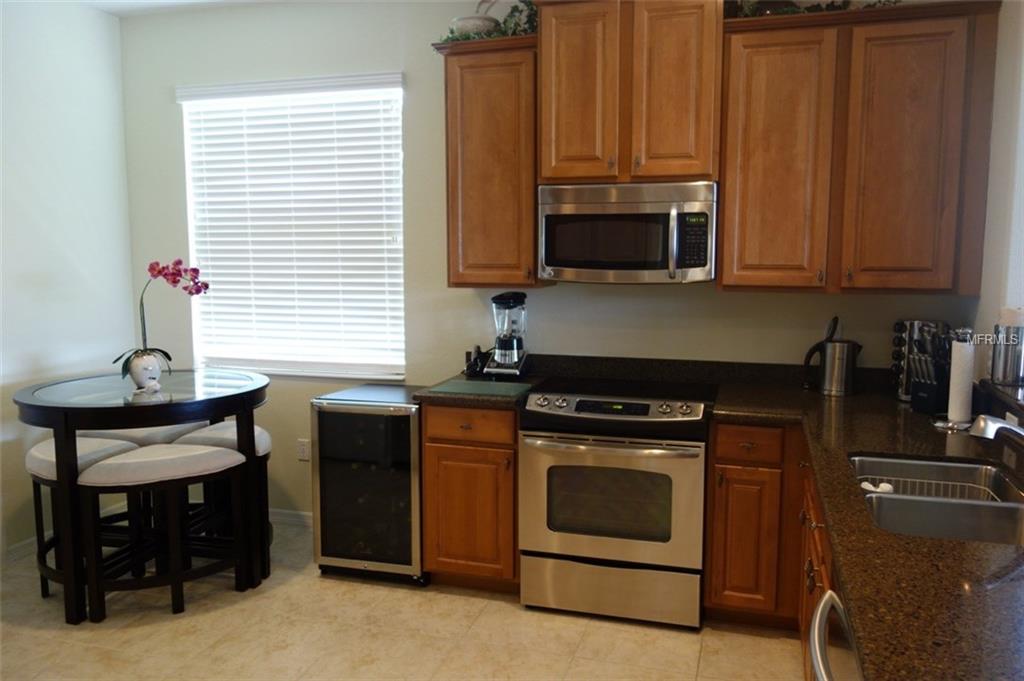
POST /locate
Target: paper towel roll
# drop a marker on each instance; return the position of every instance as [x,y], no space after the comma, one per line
[961,381]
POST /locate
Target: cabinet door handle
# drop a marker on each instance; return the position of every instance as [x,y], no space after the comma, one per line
[820,276]
[529,272]
[817,526]
[636,163]
[803,521]
[611,163]
[849,274]
[508,463]
[803,464]
[721,478]
[466,426]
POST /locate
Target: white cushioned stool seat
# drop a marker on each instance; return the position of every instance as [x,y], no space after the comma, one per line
[152,435]
[41,459]
[225,434]
[156,463]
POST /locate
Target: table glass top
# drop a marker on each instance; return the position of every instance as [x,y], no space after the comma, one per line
[178,386]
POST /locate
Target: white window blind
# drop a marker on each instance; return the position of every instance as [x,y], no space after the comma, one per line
[295,218]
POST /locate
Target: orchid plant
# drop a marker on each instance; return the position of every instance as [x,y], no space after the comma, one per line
[177,276]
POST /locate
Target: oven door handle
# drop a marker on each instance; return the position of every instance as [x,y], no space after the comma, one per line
[693,452]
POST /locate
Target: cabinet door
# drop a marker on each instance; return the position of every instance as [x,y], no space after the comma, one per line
[745,537]
[491,168]
[903,154]
[579,90]
[675,86]
[468,525]
[778,156]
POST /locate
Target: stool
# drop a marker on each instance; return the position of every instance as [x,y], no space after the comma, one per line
[165,471]
[41,464]
[141,437]
[225,434]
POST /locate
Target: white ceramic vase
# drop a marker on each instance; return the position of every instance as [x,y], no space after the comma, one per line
[144,368]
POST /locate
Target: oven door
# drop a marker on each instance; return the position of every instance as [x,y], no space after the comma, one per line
[609,242]
[625,500]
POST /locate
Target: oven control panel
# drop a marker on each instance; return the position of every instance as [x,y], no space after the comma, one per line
[615,408]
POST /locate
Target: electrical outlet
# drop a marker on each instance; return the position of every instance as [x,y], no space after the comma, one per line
[302,448]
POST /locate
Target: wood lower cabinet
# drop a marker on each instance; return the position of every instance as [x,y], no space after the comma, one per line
[753,536]
[903,144]
[468,482]
[675,87]
[491,137]
[778,154]
[745,544]
[579,96]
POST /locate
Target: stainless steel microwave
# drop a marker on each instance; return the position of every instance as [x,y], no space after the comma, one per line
[628,233]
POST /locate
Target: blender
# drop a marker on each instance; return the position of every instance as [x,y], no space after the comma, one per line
[510,326]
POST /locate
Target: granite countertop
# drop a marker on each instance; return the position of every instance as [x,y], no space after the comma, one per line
[919,608]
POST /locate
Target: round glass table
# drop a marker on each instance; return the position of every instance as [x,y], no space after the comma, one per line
[111,402]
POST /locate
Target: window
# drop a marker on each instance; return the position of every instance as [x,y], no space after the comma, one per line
[295,217]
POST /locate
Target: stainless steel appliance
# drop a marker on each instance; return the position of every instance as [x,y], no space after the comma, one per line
[833,657]
[509,354]
[366,487]
[837,363]
[1008,355]
[611,498]
[628,233]
[912,352]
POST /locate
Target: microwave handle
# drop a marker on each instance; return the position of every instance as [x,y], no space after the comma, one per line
[673,241]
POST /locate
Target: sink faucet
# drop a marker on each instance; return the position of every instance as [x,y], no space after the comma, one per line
[987,426]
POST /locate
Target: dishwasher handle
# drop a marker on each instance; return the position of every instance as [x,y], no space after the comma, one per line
[819,634]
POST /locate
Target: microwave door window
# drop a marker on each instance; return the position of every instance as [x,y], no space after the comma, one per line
[607,242]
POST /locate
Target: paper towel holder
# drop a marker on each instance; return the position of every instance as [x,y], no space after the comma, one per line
[961,335]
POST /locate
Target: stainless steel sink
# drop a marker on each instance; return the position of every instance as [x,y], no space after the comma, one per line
[974,502]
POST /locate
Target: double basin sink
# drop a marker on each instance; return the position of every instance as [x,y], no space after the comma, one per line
[975,502]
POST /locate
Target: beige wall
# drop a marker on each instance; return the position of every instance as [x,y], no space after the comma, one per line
[258,42]
[1003,276]
[67,306]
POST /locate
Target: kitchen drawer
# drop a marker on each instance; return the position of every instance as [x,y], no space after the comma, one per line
[758,445]
[470,425]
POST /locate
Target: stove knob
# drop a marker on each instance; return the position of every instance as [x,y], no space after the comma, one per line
[543,401]
[685,409]
[561,402]
[664,408]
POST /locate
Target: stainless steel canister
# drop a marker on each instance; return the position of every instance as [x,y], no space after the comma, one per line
[1008,355]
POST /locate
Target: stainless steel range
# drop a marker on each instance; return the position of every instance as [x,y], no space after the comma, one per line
[611,498]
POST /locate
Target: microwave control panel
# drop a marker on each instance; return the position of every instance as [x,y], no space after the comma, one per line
[693,229]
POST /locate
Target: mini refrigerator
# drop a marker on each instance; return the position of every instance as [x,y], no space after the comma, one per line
[366,480]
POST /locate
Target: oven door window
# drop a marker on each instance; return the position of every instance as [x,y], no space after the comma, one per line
[619,503]
[606,242]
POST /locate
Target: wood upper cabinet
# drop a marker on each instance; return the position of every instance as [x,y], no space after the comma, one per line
[903,145]
[745,541]
[675,86]
[491,137]
[468,510]
[780,99]
[579,97]
[628,90]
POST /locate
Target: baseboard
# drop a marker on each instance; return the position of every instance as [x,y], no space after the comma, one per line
[288,517]
[22,549]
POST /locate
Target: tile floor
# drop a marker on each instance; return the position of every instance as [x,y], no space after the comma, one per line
[299,625]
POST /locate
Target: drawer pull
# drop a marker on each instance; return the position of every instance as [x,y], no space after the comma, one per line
[747,445]
[804,464]
[466,426]
[817,526]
